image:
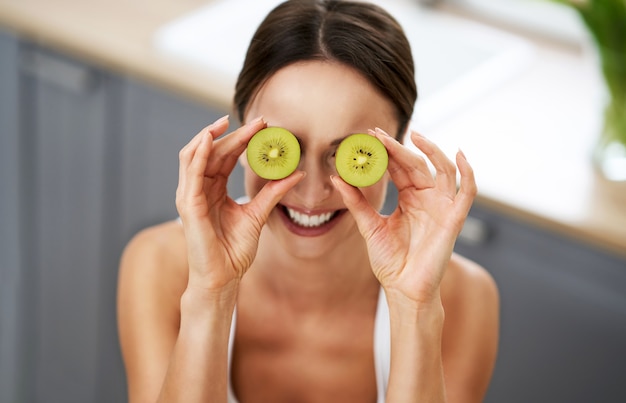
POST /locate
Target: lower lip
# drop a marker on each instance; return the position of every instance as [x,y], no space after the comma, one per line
[308,231]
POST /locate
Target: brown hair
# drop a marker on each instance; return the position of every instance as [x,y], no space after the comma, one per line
[360,35]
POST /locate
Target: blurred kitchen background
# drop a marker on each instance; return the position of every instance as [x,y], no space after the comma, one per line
[97,97]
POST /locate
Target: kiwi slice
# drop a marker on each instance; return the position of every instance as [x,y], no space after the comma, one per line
[361,160]
[273,153]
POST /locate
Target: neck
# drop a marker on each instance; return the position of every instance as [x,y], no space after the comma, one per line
[319,283]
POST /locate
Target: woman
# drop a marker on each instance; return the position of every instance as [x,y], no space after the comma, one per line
[242,302]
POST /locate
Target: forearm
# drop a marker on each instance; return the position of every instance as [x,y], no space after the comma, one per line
[198,370]
[416,373]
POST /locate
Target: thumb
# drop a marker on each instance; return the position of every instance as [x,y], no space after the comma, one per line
[368,220]
[262,204]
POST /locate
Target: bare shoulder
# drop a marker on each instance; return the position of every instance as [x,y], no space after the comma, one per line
[157,253]
[469,293]
[152,278]
[466,279]
[471,329]
[154,265]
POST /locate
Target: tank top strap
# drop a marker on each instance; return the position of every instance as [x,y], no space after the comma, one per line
[382,346]
[231,341]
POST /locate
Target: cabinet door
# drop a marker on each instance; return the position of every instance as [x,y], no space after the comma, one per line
[157,125]
[563,317]
[67,125]
[10,274]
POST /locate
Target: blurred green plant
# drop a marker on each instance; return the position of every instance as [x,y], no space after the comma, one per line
[606,22]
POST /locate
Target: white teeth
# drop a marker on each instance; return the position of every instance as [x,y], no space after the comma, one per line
[309,220]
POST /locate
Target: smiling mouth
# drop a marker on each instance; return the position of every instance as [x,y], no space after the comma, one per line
[309,221]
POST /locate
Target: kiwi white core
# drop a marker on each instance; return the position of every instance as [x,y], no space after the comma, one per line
[274,153]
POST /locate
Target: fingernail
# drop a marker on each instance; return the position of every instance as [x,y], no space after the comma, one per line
[257,120]
[382,136]
[462,154]
[218,122]
[381,131]
[335,180]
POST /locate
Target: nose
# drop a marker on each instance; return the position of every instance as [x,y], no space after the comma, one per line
[316,187]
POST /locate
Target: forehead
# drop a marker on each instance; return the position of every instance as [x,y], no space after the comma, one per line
[322,100]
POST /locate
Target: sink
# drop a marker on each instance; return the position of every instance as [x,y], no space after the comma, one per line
[457,60]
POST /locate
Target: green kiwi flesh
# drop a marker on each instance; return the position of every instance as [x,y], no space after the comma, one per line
[273,153]
[361,160]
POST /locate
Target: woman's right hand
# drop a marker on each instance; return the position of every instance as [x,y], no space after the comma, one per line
[222,236]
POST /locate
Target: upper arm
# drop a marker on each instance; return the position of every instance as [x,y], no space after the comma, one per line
[148,313]
[470,332]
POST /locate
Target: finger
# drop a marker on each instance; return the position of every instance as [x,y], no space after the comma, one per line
[216,128]
[186,182]
[186,154]
[406,168]
[219,127]
[398,175]
[272,192]
[467,189]
[192,161]
[195,176]
[445,169]
[228,148]
[366,217]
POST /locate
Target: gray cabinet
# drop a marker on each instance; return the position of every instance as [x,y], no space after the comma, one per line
[157,125]
[87,159]
[68,117]
[563,317]
[10,234]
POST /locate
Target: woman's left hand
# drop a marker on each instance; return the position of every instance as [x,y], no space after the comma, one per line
[410,249]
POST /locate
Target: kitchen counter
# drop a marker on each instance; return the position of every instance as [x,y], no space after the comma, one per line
[116,35]
[529,140]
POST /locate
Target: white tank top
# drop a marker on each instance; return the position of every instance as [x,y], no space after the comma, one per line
[382,349]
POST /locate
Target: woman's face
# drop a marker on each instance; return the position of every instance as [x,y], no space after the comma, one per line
[320,103]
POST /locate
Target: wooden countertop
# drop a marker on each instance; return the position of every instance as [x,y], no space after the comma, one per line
[529,141]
